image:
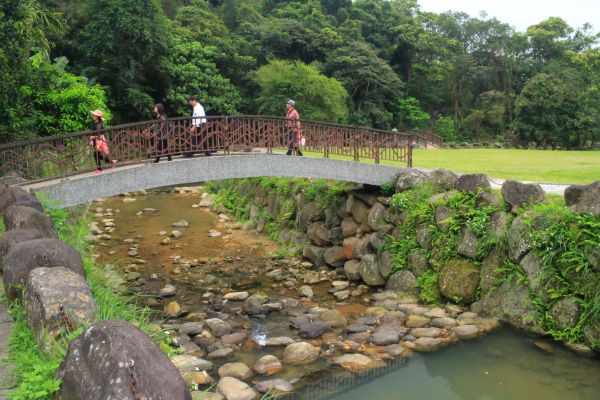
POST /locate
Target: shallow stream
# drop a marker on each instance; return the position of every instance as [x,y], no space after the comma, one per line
[502,365]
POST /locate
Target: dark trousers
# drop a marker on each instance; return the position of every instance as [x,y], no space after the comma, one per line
[293,140]
[99,157]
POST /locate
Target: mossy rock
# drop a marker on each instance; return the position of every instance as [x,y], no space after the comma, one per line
[459,280]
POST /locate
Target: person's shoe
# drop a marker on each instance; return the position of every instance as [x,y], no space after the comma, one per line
[289,153]
[300,153]
[188,155]
[98,171]
[169,158]
[207,153]
[156,160]
[113,163]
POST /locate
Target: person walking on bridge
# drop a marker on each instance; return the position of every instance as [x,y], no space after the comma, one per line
[161,133]
[99,143]
[198,119]
[294,130]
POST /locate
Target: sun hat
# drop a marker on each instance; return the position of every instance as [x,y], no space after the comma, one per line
[98,113]
[291,102]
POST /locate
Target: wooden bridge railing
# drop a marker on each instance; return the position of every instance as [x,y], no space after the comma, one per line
[63,155]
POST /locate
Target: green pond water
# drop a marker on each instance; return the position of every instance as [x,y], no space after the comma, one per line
[504,365]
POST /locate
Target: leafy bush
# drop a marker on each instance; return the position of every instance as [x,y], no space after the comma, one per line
[427,284]
[388,189]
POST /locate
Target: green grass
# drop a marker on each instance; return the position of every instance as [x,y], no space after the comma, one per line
[544,166]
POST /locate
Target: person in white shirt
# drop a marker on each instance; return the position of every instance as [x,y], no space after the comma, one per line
[198,119]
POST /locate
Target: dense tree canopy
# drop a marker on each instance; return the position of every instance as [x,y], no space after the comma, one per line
[382,63]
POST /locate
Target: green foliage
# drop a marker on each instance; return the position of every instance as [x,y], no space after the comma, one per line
[414,202]
[444,127]
[317,96]
[411,115]
[427,284]
[400,249]
[388,189]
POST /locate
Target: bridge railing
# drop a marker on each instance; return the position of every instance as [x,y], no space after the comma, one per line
[63,155]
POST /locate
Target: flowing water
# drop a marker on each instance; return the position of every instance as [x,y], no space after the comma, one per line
[502,365]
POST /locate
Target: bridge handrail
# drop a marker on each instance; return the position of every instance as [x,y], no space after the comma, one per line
[68,154]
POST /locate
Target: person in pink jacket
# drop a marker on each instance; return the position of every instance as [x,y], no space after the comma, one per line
[99,143]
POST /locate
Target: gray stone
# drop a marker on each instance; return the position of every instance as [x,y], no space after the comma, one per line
[268,365]
[96,366]
[498,223]
[390,215]
[375,217]
[566,312]
[490,264]
[358,209]
[220,353]
[334,319]
[191,328]
[417,321]
[426,332]
[26,256]
[584,198]
[443,179]
[236,370]
[402,281]
[234,338]
[369,271]
[236,296]
[517,194]
[54,296]
[385,336]
[473,183]
[487,199]
[306,291]
[417,263]
[218,327]
[9,195]
[459,280]
[467,243]
[352,270]
[426,344]
[384,264]
[279,341]
[532,265]
[591,335]
[312,329]
[300,353]
[254,304]
[180,224]
[443,322]
[408,178]
[315,255]
[466,331]
[14,237]
[424,236]
[356,247]
[318,233]
[274,385]
[593,259]
[342,295]
[519,242]
[336,237]
[168,291]
[234,389]
[21,217]
[442,217]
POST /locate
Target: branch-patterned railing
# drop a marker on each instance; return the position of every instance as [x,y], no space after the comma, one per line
[64,155]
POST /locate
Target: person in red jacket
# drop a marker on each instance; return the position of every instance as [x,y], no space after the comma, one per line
[293,128]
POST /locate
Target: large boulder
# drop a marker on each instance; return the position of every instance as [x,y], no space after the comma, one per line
[489,266]
[318,233]
[356,247]
[11,238]
[591,334]
[334,256]
[359,209]
[300,353]
[517,194]
[334,319]
[417,262]
[424,235]
[473,183]
[308,213]
[375,217]
[459,280]
[584,198]
[385,264]
[408,178]
[443,217]
[352,270]
[20,217]
[234,389]
[443,179]
[254,305]
[369,271]
[532,266]
[402,281]
[9,195]
[349,227]
[57,300]
[116,360]
[26,256]
[519,242]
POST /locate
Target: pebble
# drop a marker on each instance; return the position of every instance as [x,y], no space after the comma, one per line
[416,321]
[214,233]
[236,370]
[173,309]
[353,361]
[236,296]
[268,365]
[278,385]
[466,331]
[234,389]
[176,234]
[180,224]
[168,291]
[342,295]
[306,291]
[220,353]
[279,341]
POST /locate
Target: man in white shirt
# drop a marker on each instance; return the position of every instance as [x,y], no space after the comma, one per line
[198,119]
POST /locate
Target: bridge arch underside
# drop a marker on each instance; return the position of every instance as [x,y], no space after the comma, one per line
[87,187]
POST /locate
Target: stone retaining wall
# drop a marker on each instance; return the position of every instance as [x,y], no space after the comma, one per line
[354,234]
[111,359]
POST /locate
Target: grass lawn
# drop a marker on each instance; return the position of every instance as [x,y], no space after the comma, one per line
[545,166]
